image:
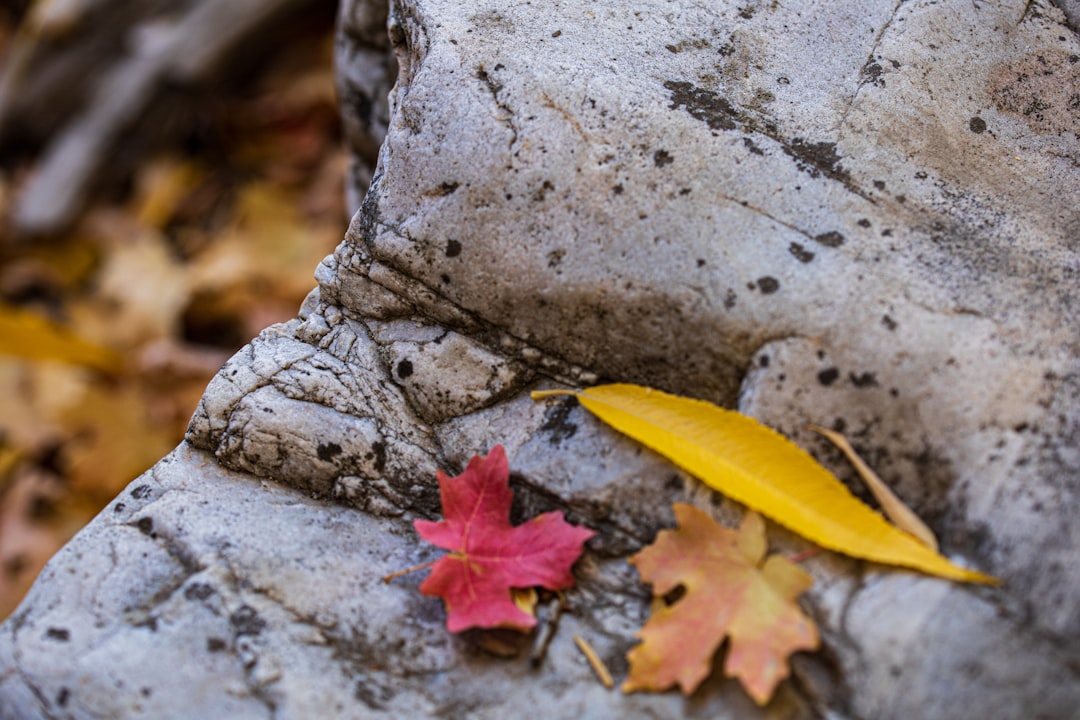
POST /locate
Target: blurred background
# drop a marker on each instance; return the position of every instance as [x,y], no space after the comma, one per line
[171,174]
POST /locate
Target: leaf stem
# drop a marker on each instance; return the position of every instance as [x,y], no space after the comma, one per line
[407,571]
[542,394]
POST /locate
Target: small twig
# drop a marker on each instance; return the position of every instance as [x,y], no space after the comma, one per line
[542,394]
[540,651]
[595,662]
[805,555]
[407,571]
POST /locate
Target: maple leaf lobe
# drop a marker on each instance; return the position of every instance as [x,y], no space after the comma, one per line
[729,593]
[489,556]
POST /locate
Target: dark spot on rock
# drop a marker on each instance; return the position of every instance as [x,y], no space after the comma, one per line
[246,621]
[863,380]
[871,73]
[893,392]
[617,189]
[763,361]
[453,248]
[703,105]
[119,507]
[149,623]
[662,158]
[146,692]
[674,483]
[977,125]
[556,421]
[801,254]
[829,239]
[404,369]
[887,232]
[768,285]
[198,591]
[888,322]
[445,279]
[555,257]
[215,644]
[747,12]
[328,451]
[448,187]
[672,49]
[59,634]
[828,376]
[684,191]
[701,262]
[817,159]
[63,696]
[752,146]
[783,80]
[146,526]
[921,175]
[380,455]
[729,299]
[541,194]
[140,492]
[879,184]
[556,34]
[863,222]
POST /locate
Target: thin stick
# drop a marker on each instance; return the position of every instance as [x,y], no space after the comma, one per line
[595,662]
[407,571]
[541,394]
[540,652]
[901,515]
[805,555]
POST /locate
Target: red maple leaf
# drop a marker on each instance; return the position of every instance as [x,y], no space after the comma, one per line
[488,555]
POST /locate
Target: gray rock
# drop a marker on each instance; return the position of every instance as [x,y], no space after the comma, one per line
[864,219]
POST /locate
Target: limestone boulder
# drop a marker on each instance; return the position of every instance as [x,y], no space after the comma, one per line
[859,217]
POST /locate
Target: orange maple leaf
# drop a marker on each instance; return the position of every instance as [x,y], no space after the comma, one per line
[729,592]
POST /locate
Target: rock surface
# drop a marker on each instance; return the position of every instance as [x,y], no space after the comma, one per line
[864,218]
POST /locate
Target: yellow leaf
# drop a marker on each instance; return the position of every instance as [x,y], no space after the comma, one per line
[750,463]
[29,335]
[895,509]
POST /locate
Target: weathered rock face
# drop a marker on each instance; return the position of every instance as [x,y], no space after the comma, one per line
[862,218]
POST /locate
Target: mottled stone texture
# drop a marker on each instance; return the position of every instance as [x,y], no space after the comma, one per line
[863,217]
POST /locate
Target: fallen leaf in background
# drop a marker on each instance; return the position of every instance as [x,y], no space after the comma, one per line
[28,335]
[170,271]
[31,526]
[729,592]
[489,556]
[757,466]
